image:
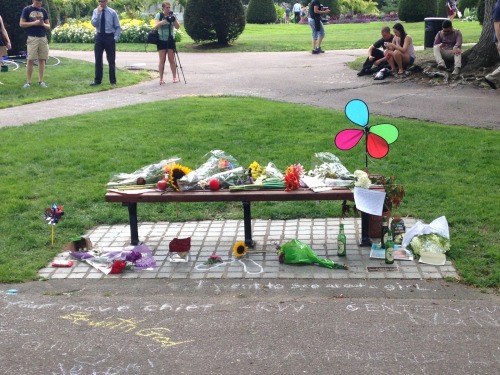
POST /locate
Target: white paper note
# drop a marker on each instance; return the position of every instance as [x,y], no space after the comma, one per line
[369,201]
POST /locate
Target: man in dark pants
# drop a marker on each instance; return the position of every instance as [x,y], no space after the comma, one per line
[375,54]
[108,31]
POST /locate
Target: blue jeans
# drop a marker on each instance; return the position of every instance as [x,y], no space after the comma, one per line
[316,34]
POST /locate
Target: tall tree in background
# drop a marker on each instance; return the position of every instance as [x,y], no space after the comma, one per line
[220,21]
[484,53]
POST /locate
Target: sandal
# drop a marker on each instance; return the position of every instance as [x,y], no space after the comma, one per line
[176,80]
[162,82]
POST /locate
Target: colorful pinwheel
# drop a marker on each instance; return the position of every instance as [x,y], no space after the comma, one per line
[52,216]
[378,137]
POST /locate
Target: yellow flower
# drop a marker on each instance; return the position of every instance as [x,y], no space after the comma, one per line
[239,249]
[177,171]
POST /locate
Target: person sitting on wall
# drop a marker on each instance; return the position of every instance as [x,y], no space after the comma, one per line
[448,47]
[376,58]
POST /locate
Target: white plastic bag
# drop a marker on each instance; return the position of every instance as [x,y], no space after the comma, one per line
[439,226]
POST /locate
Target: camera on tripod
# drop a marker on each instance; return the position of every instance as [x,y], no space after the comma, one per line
[171,17]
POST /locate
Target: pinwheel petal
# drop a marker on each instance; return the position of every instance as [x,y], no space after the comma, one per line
[357,111]
[387,131]
[376,146]
[348,138]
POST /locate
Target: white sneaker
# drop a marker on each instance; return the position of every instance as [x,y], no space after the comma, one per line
[26,85]
[42,84]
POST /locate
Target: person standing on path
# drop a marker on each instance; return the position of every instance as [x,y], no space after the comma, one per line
[35,20]
[296,11]
[318,32]
[108,31]
[493,79]
[165,22]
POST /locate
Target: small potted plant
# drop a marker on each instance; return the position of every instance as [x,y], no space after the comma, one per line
[394,194]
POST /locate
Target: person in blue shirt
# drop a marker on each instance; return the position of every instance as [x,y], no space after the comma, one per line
[108,31]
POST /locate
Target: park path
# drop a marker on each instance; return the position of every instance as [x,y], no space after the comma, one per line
[295,77]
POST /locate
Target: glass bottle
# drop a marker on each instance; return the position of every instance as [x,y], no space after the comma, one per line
[398,229]
[383,234]
[389,249]
[341,242]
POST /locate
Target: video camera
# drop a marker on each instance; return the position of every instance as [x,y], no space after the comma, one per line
[171,17]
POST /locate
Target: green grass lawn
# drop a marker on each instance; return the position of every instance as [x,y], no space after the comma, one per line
[70,78]
[293,37]
[446,170]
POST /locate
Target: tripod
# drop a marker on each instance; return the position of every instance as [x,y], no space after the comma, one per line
[176,54]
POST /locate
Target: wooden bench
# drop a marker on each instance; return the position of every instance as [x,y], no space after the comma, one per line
[131,200]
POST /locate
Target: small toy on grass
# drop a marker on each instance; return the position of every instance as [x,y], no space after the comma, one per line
[52,216]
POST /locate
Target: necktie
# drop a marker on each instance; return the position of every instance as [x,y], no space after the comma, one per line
[103,22]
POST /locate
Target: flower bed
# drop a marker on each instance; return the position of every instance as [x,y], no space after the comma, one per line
[133,31]
[363,18]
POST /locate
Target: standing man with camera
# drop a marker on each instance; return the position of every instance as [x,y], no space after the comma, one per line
[35,20]
[108,31]
[165,22]
[318,32]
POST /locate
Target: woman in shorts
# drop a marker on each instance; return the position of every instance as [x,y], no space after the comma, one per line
[400,54]
[165,23]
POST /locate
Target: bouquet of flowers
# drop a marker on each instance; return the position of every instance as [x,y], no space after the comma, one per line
[150,174]
[218,162]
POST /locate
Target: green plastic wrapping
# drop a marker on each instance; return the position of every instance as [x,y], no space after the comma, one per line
[296,252]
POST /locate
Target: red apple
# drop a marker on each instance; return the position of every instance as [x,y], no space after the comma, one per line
[162,185]
[214,185]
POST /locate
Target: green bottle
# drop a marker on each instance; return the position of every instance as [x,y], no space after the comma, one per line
[389,249]
[341,242]
[383,234]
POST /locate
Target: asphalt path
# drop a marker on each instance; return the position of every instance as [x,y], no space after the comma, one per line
[150,327]
[295,77]
[66,327]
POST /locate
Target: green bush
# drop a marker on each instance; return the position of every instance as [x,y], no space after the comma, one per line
[261,12]
[442,9]
[416,11]
[480,11]
[334,7]
[220,21]
[280,12]
[462,4]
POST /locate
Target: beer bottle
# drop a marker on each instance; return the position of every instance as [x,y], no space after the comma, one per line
[341,242]
[383,234]
[389,249]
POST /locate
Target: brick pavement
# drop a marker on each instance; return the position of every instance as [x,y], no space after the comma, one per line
[209,235]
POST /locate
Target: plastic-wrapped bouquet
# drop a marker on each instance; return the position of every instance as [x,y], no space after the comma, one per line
[296,252]
[218,162]
[150,174]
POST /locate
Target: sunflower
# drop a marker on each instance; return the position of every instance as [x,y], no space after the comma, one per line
[239,249]
[177,171]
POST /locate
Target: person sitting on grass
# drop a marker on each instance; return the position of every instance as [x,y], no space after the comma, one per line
[400,54]
[447,47]
[376,56]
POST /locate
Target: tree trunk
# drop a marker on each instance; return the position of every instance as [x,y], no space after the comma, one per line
[484,53]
